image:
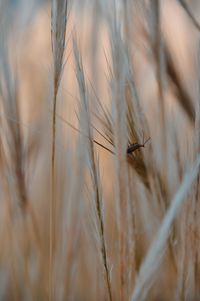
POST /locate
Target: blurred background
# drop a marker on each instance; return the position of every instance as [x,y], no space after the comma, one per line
[130,72]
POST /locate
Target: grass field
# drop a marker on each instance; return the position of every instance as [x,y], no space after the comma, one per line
[99,150]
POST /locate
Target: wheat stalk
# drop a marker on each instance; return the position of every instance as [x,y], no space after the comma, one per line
[58,32]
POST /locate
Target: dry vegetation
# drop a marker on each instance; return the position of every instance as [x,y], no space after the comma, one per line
[99,151]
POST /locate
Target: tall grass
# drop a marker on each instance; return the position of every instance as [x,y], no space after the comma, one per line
[58,32]
[99,152]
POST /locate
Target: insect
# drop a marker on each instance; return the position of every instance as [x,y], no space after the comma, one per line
[133,147]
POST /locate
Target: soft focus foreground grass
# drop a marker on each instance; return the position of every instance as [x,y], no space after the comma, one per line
[96,223]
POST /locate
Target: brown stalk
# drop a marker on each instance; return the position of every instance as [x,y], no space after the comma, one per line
[13,152]
[158,51]
[182,94]
[196,228]
[190,14]
[58,32]
[94,165]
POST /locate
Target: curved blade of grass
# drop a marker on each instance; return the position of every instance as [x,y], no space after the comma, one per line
[156,251]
